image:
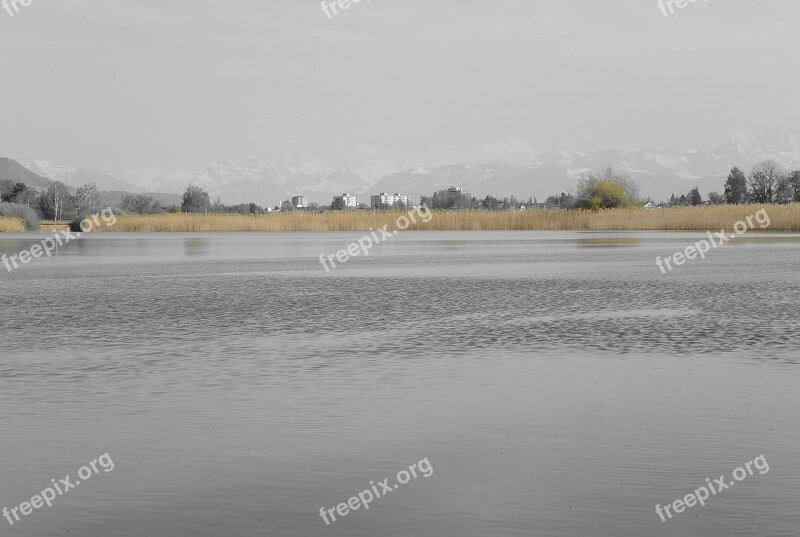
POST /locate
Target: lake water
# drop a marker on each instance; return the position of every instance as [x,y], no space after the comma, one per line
[558,383]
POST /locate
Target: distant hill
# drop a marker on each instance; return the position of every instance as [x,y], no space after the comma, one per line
[13,170]
[77,177]
[112,190]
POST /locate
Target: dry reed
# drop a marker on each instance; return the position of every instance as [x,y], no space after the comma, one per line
[783,218]
[11,224]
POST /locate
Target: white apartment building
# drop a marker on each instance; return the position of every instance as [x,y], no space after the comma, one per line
[383,199]
[351,202]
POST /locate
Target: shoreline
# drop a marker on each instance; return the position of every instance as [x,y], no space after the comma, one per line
[783,218]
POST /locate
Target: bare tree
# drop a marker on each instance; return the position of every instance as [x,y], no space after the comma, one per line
[140,204]
[87,199]
[764,181]
[784,193]
[6,188]
[56,203]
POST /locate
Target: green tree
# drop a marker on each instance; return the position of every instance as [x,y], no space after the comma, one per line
[563,201]
[794,182]
[736,187]
[715,198]
[450,200]
[695,198]
[490,203]
[785,192]
[195,200]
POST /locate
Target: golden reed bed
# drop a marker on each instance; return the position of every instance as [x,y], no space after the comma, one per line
[783,218]
[11,224]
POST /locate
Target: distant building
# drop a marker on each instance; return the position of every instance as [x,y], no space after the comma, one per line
[300,202]
[383,200]
[455,189]
[650,205]
[348,201]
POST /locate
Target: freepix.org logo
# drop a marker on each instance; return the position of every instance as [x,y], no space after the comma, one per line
[671,4]
[330,7]
[59,238]
[48,495]
[12,6]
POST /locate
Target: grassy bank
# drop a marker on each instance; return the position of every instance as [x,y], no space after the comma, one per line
[11,224]
[783,218]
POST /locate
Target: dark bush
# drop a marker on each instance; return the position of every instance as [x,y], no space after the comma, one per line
[23,211]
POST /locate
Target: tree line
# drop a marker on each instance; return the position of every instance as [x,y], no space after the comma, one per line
[768,182]
[57,202]
[54,203]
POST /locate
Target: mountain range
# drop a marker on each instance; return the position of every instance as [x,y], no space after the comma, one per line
[76,177]
[39,174]
[659,172]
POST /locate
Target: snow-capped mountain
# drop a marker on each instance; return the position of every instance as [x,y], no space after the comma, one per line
[155,180]
[246,179]
[11,170]
[659,172]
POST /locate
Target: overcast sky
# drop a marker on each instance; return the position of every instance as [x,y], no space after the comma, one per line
[144,83]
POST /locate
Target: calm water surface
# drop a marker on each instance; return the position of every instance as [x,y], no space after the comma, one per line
[558,383]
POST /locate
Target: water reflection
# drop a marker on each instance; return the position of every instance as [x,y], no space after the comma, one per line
[558,383]
[193,247]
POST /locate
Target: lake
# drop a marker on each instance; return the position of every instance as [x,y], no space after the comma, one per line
[557,383]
